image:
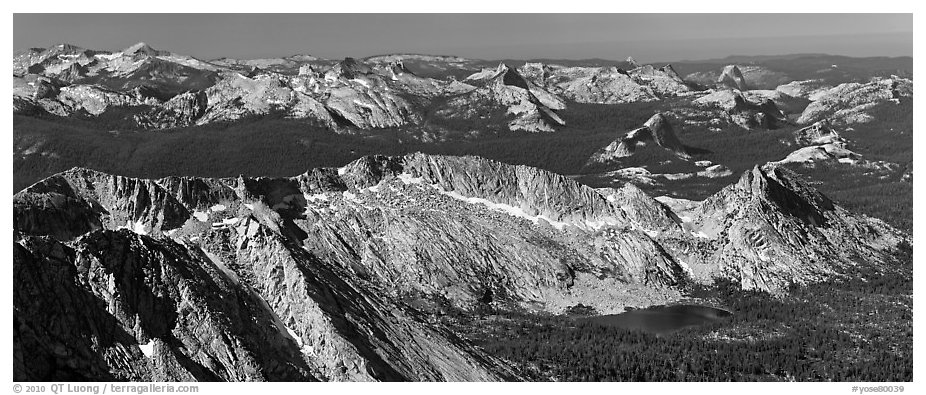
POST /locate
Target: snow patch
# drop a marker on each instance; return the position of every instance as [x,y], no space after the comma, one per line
[293,334]
[218,207]
[140,228]
[599,224]
[249,206]
[201,216]
[349,196]
[409,179]
[147,349]
[362,82]
[505,208]
[342,171]
[316,197]
[108,56]
[685,267]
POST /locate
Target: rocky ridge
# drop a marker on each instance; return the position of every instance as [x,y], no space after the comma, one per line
[333,268]
[607,85]
[734,107]
[847,103]
[524,105]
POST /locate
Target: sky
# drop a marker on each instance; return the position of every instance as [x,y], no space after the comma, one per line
[646,37]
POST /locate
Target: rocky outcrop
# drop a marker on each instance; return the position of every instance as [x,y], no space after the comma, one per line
[820,132]
[786,103]
[93,99]
[740,76]
[735,108]
[835,150]
[732,77]
[74,72]
[772,230]
[36,87]
[664,81]
[821,143]
[349,68]
[656,130]
[650,214]
[156,309]
[607,85]
[181,110]
[368,107]
[523,105]
[805,89]
[848,103]
[78,201]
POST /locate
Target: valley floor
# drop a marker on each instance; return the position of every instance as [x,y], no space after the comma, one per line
[858,330]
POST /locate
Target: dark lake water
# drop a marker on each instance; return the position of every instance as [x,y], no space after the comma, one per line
[664,319]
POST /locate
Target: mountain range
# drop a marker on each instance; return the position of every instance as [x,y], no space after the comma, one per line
[165,90]
[323,276]
[308,219]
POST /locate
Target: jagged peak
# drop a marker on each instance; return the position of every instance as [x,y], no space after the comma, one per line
[670,71]
[732,68]
[350,68]
[732,76]
[657,128]
[658,122]
[65,47]
[511,77]
[143,48]
[397,67]
[498,182]
[784,188]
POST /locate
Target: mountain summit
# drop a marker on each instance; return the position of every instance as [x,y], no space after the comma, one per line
[732,77]
[145,49]
[656,130]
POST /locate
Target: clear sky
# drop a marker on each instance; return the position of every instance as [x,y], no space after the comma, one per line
[646,37]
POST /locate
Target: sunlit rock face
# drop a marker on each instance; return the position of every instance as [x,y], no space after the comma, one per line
[848,103]
[657,130]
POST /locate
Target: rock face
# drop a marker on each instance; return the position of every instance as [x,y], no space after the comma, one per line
[181,110]
[821,143]
[185,91]
[732,77]
[242,303]
[607,85]
[818,133]
[323,276]
[735,108]
[522,104]
[786,103]
[773,230]
[741,77]
[55,98]
[805,89]
[656,130]
[305,278]
[847,103]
